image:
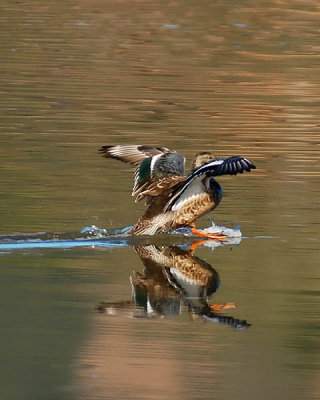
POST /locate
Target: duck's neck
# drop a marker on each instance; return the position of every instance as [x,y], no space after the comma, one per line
[201,158]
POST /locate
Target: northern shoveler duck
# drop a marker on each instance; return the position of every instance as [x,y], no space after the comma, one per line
[174,199]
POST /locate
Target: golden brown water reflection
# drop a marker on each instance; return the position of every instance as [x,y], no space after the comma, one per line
[234,78]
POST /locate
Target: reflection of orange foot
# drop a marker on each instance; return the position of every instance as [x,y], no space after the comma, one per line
[221,237]
[196,244]
[217,308]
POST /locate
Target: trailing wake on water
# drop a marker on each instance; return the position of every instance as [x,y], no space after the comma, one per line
[93,236]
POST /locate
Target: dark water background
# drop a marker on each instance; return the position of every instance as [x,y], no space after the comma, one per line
[231,77]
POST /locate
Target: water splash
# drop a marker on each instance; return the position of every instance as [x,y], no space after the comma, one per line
[234,233]
[93,236]
[89,236]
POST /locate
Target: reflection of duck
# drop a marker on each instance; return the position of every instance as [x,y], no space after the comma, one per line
[172,273]
[173,199]
[172,277]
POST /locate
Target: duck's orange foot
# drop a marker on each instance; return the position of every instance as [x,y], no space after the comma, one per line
[221,237]
[217,308]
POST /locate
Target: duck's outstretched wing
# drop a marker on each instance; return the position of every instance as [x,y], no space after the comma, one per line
[226,166]
[152,164]
[132,154]
[192,185]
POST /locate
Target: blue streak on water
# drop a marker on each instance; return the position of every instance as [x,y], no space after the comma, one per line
[61,244]
[90,236]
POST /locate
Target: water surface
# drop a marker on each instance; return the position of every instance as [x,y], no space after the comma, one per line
[233,78]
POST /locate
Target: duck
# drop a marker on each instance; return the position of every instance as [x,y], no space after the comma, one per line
[173,197]
[172,277]
[172,272]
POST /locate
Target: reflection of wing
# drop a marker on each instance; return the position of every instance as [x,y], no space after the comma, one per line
[132,154]
[193,184]
[127,309]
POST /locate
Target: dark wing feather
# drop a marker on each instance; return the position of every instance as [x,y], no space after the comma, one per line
[228,166]
[132,154]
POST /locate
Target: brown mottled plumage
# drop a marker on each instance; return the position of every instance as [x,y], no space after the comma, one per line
[174,199]
[189,267]
[200,159]
[172,277]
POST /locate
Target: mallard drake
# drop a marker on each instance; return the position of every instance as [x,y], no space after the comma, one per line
[173,198]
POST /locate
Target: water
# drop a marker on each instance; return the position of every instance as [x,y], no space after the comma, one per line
[235,79]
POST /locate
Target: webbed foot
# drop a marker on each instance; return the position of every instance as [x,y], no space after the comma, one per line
[221,237]
[217,308]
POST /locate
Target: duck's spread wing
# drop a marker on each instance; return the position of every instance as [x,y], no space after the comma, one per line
[227,166]
[152,164]
[192,186]
[132,154]
[153,169]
